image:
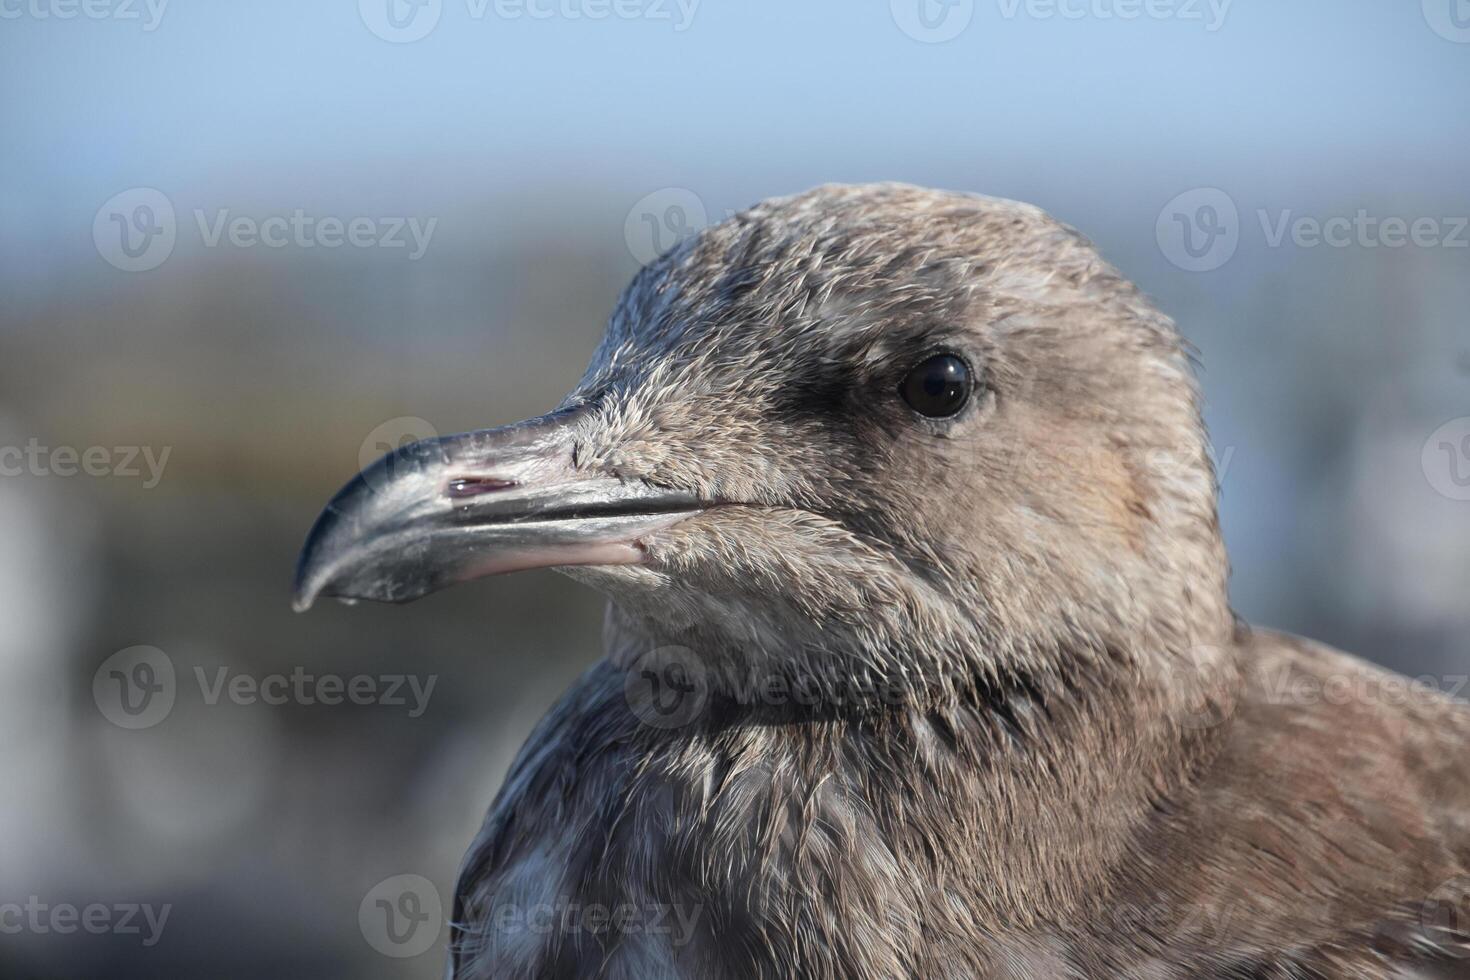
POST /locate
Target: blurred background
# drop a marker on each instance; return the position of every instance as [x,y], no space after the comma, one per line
[245,247]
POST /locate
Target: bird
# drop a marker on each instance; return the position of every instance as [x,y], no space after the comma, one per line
[919,658]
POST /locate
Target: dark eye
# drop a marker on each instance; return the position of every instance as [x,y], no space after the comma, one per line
[938,386]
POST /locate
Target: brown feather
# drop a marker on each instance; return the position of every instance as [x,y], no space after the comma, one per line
[1036,743]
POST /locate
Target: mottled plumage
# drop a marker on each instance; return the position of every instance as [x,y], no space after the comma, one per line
[905,697]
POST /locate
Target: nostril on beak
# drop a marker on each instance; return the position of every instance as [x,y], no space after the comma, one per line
[473,486]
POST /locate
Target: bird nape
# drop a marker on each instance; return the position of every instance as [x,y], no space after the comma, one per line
[919,659]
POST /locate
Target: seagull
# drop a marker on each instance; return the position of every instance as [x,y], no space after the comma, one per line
[919,658]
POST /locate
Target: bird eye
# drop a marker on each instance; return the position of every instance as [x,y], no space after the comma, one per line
[937,386]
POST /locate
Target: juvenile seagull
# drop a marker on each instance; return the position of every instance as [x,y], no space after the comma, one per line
[919,658]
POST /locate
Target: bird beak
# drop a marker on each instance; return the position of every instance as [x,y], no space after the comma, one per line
[441,511]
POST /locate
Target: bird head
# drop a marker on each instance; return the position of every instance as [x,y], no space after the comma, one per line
[875,430]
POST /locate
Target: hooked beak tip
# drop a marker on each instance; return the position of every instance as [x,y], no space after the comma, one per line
[449,510]
[314,565]
[308,584]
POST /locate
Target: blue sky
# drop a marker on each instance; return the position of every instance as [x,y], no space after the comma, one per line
[301,102]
